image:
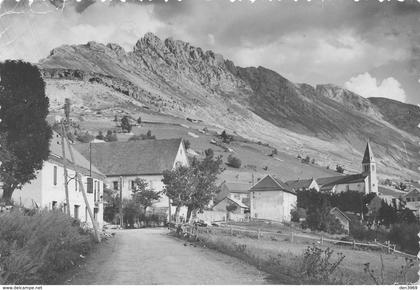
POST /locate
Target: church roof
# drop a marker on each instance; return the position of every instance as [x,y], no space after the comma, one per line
[389,191]
[368,156]
[329,182]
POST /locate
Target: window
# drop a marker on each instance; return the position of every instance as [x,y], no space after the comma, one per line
[115,184]
[76,211]
[408,199]
[54,205]
[55,175]
[89,185]
[373,167]
[133,185]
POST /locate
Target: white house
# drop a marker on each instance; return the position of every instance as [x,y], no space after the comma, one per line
[145,159]
[412,201]
[238,214]
[272,199]
[47,190]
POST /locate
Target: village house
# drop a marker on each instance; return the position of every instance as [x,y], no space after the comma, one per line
[303,184]
[145,159]
[236,191]
[342,218]
[412,201]
[238,214]
[272,199]
[47,190]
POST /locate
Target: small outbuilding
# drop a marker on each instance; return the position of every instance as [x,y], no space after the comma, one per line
[342,217]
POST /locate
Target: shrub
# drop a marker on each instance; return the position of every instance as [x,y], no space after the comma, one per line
[187,144]
[339,169]
[234,161]
[125,124]
[84,137]
[317,266]
[37,249]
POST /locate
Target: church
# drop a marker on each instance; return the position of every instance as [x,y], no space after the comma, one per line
[366,181]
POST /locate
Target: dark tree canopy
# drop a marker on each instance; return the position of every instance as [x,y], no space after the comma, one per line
[24,130]
[125,124]
[143,195]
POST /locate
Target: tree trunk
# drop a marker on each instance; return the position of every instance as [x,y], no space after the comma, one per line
[7,193]
[194,214]
[177,210]
[189,211]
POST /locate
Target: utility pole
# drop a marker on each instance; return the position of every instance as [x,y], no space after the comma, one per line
[121,205]
[78,176]
[66,186]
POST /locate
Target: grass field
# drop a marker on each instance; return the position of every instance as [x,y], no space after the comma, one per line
[283,259]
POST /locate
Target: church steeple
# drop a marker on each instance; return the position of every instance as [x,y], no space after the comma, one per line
[368,157]
[369,168]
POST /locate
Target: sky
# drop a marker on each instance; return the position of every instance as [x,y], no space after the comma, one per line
[370,47]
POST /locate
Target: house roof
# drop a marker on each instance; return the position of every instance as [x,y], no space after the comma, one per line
[336,211]
[389,191]
[237,202]
[298,184]
[414,193]
[142,157]
[82,164]
[368,156]
[238,187]
[270,183]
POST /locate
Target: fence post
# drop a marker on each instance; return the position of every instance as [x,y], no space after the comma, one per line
[387,246]
[292,237]
[354,244]
[322,240]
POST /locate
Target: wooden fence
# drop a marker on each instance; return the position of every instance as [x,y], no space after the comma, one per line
[293,236]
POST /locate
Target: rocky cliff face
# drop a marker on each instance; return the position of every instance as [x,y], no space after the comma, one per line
[177,78]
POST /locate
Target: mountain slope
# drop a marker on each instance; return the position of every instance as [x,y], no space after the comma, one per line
[172,77]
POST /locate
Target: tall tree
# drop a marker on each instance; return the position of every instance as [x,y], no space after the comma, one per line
[143,195]
[24,130]
[204,176]
[125,124]
[178,187]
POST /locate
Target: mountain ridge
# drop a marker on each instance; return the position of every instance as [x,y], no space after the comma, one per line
[180,79]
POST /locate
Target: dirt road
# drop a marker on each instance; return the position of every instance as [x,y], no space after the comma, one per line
[151,256]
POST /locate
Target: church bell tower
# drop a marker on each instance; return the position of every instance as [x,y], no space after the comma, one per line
[369,169]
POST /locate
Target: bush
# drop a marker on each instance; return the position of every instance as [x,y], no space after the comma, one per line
[405,236]
[317,267]
[339,169]
[37,249]
[234,161]
[187,144]
[84,137]
[298,214]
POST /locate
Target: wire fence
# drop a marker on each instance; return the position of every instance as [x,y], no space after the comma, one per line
[293,237]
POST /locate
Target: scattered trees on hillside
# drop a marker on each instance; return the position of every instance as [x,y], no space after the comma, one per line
[226,138]
[84,137]
[24,131]
[147,136]
[110,136]
[125,124]
[233,161]
[339,169]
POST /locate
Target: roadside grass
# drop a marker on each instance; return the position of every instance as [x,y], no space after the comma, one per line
[285,262]
[38,248]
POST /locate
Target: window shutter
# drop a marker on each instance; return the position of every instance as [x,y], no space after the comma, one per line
[89,185]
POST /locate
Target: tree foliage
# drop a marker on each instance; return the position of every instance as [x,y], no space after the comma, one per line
[233,161]
[24,131]
[125,124]
[193,186]
[143,194]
